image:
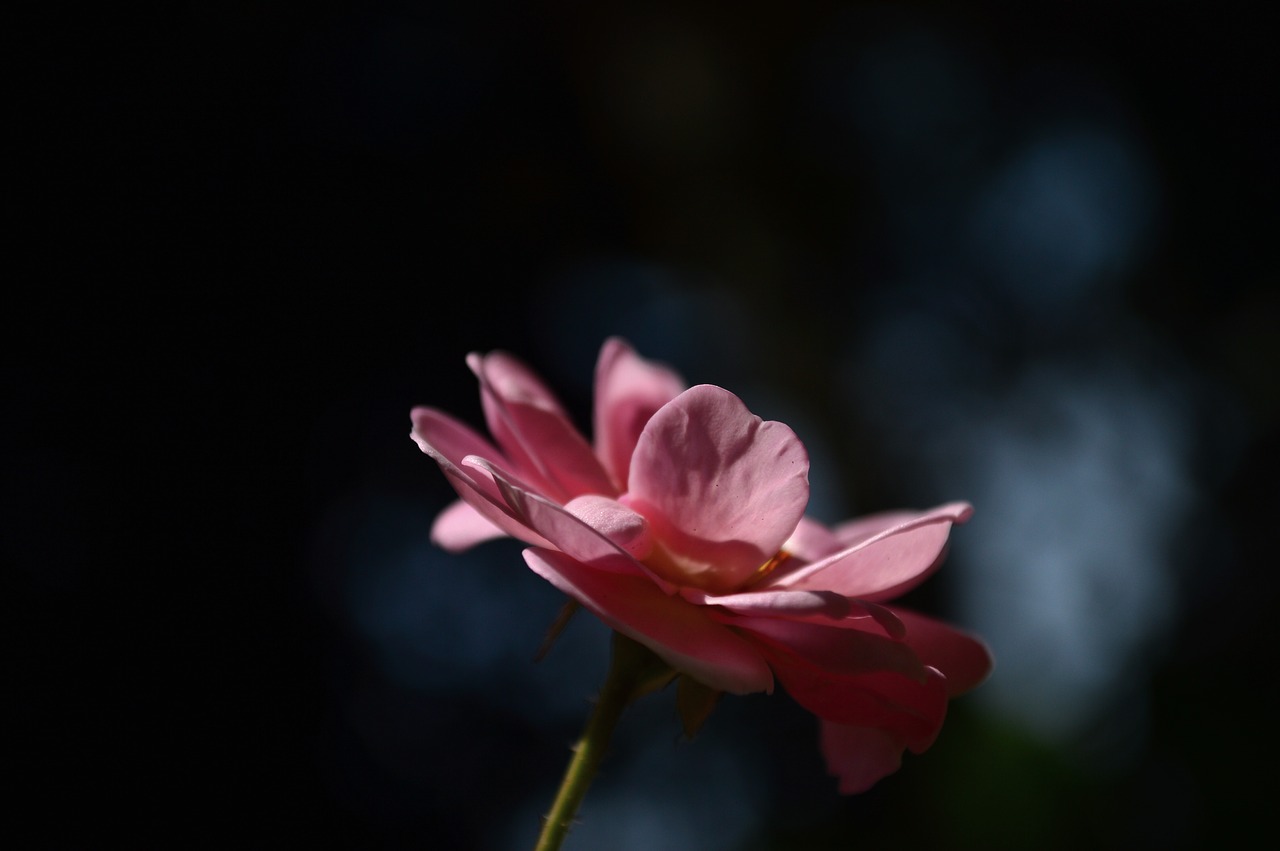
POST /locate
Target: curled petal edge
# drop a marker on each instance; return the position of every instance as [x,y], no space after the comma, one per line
[481,493]
[565,531]
[885,565]
[826,608]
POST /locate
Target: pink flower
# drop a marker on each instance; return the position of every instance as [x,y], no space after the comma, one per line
[684,528]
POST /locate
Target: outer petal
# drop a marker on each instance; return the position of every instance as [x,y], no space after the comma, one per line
[721,488]
[860,756]
[449,442]
[533,429]
[460,527]
[629,391]
[833,650]
[963,659]
[497,514]
[883,698]
[885,565]
[680,633]
[570,533]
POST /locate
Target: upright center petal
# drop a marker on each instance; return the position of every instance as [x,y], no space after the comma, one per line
[721,488]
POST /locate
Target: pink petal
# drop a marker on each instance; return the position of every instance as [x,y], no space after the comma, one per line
[963,659]
[859,757]
[449,442]
[568,532]
[825,608]
[721,488]
[678,632]
[619,524]
[876,696]
[811,541]
[862,528]
[532,428]
[629,391]
[496,513]
[885,565]
[885,618]
[833,649]
[512,379]
[783,604]
[460,527]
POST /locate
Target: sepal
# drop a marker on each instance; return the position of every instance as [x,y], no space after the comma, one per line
[695,702]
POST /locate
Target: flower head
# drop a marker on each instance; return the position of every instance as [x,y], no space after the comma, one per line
[683,527]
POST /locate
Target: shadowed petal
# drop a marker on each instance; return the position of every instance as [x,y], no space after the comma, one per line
[680,633]
[629,390]
[834,650]
[875,696]
[963,660]
[721,488]
[886,565]
[859,757]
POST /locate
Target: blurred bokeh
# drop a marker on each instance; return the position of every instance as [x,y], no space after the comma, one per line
[1020,255]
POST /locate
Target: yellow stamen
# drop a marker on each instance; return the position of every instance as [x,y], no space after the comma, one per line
[768,567]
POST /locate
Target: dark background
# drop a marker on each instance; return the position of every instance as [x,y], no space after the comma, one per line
[249,237]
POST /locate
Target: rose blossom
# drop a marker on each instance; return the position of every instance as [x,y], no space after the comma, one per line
[684,529]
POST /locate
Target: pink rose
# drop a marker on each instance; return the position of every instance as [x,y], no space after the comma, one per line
[684,528]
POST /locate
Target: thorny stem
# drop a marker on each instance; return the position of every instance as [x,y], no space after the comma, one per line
[633,671]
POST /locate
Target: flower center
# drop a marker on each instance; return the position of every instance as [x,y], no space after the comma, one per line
[767,568]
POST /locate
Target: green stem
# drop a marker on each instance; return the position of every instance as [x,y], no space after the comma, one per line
[633,672]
